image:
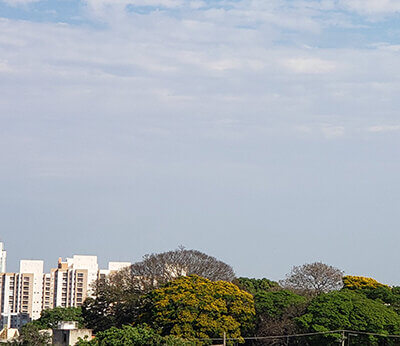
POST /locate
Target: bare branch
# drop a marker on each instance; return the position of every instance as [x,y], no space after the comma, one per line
[313,278]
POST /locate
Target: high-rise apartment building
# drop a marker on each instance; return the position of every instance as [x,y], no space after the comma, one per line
[112,268]
[24,295]
[16,299]
[34,267]
[48,292]
[3,258]
[70,281]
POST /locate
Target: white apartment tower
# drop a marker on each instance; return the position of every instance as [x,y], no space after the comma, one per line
[24,295]
[21,294]
[3,258]
[69,282]
[34,267]
[112,268]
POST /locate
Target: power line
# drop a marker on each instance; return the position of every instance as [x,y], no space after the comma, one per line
[305,334]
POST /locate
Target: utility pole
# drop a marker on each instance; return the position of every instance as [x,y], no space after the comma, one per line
[224,339]
[343,338]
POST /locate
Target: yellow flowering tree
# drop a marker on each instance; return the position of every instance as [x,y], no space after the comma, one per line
[193,307]
[375,290]
[361,282]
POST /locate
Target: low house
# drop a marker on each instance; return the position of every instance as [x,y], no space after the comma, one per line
[8,334]
[68,333]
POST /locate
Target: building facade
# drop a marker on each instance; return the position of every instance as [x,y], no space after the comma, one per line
[16,299]
[70,281]
[25,294]
[3,258]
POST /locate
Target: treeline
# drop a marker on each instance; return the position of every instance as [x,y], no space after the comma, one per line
[186,297]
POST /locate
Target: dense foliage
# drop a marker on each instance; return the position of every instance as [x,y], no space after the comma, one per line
[33,335]
[170,307]
[118,296]
[276,312]
[116,302]
[196,308]
[274,304]
[162,301]
[50,318]
[133,336]
[254,286]
[351,311]
[361,282]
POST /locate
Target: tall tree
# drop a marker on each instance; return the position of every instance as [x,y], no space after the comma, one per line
[115,303]
[196,308]
[118,296]
[313,278]
[276,314]
[157,269]
[352,311]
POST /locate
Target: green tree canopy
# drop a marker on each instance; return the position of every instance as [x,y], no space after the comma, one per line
[132,336]
[50,318]
[348,310]
[274,304]
[373,289]
[118,296]
[254,286]
[116,302]
[192,307]
[32,335]
[276,313]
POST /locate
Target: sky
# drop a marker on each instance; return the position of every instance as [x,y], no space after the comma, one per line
[264,133]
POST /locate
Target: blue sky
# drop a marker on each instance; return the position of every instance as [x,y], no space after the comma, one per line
[265,133]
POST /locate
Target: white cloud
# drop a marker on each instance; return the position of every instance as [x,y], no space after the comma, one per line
[332,131]
[5,67]
[309,65]
[384,128]
[372,6]
[196,65]
[161,3]
[19,2]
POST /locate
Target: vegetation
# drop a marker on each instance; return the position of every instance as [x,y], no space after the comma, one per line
[361,282]
[184,297]
[119,296]
[159,301]
[314,278]
[133,336]
[276,313]
[351,311]
[196,308]
[158,269]
[50,318]
[274,304]
[116,302]
[254,286]
[32,335]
